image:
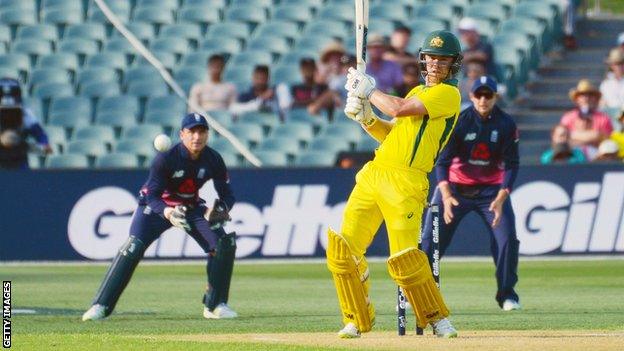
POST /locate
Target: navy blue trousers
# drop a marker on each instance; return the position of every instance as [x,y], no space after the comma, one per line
[504,243]
[147,226]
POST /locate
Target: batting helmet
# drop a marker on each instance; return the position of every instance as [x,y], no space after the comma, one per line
[441,43]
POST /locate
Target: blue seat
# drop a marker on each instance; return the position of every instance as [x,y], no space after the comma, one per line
[69,121]
[100,133]
[137,147]
[67,161]
[313,43]
[98,90]
[272,158]
[294,57]
[92,148]
[265,119]
[95,15]
[169,103]
[173,45]
[327,28]
[300,131]
[221,45]
[219,4]
[120,45]
[340,12]
[250,14]
[117,160]
[62,4]
[198,58]
[17,17]
[90,75]
[146,132]
[146,89]
[141,73]
[292,13]
[367,144]
[37,31]
[154,15]
[437,10]
[189,31]
[90,31]
[195,73]
[314,158]
[253,58]
[48,75]
[388,11]
[80,47]
[204,16]
[164,4]
[61,17]
[59,60]
[75,105]
[57,137]
[277,28]
[52,90]
[493,12]
[19,4]
[234,73]
[32,47]
[18,61]
[121,104]
[289,146]
[10,72]
[111,59]
[222,145]
[115,120]
[347,131]
[237,30]
[166,119]
[288,74]
[143,31]
[250,133]
[168,59]
[381,26]
[330,144]
[274,45]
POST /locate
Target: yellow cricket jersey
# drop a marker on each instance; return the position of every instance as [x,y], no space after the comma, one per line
[416,141]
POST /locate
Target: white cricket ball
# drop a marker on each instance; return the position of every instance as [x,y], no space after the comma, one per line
[162,142]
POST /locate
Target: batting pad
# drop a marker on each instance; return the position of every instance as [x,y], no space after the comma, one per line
[410,269]
[351,281]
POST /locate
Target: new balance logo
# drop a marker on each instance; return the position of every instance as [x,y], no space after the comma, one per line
[178,174]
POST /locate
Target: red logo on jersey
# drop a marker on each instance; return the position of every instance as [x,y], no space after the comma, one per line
[187,187]
[481,151]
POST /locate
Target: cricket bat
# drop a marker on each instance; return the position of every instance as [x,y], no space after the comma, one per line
[361,32]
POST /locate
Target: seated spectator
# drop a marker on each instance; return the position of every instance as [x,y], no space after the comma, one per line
[330,65]
[474,70]
[618,135]
[608,151]
[411,79]
[261,96]
[612,87]
[387,73]
[475,48]
[569,24]
[587,126]
[397,52]
[310,95]
[213,93]
[560,149]
[17,124]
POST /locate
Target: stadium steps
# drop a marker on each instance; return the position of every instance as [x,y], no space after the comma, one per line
[546,97]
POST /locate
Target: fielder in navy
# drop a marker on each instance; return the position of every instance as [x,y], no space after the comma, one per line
[170,198]
[476,172]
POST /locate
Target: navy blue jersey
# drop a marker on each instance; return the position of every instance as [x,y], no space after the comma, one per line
[481,151]
[175,179]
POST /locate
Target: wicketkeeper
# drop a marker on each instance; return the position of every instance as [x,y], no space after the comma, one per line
[393,187]
[170,198]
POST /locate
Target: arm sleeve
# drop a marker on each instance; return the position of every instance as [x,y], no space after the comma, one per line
[156,184]
[39,134]
[441,101]
[512,159]
[221,183]
[238,108]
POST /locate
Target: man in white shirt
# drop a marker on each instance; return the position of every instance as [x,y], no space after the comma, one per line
[214,94]
[612,87]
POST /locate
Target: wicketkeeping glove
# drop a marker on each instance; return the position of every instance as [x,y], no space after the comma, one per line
[360,84]
[355,105]
[218,214]
[177,217]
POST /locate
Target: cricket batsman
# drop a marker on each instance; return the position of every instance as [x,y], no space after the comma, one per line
[170,198]
[393,188]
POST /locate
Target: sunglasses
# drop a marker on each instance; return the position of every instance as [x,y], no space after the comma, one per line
[486,94]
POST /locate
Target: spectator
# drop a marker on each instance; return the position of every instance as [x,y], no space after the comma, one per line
[387,73]
[560,149]
[411,79]
[397,52]
[213,93]
[17,124]
[261,96]
[612,88]
[476,49]
[569,24]
[330,65]
[587,126]
[618,135]
[474,70]
[310,94]
[608,151]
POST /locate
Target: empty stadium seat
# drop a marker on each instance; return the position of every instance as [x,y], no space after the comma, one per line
[247,13]
[251,133]
[292,13]
[98,90]
[59,60]
[367,144]
[154,15]
[169,121]
[493,12]
[37,31]
[88,147]
[194,73]
[289,146]
[91,75]
[221,45]
[68,121]
[146,89]
[313,158]
[117,160]
[340,12]
[89,31]
[237,30]
[79,46]
[265,119]
[32,47]
[198,58]
[330,144]
[300,131]
[112,59]
[199,14]
[51,90]
[163,4]
[277,28]
[97,132]
[145,132]
[122,104]
[48,75]
[253,58]
[274,45]
[189,31]
[222,145]
[66,161]
[74,105]
[116,120]
[169,103]
[142,148]
[274,158]
[173,45]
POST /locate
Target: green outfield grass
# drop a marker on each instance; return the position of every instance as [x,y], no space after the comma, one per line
[161,308]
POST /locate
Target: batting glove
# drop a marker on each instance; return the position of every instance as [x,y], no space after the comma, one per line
[360,110]
[177,217]
[360,84]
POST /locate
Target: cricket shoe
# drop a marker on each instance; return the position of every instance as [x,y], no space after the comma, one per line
[444,329]
[511,305]
[350,331]
[222,311]
[95,313]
